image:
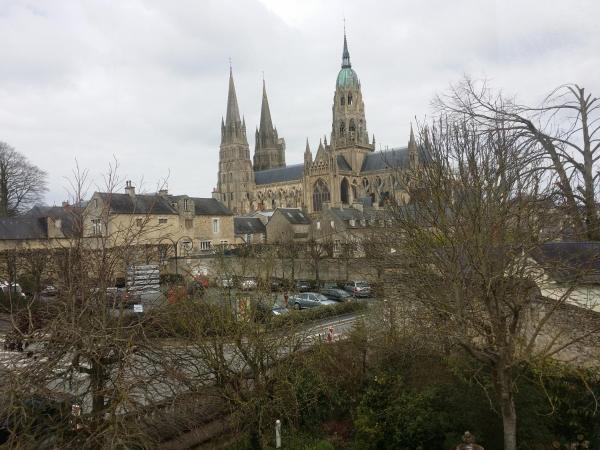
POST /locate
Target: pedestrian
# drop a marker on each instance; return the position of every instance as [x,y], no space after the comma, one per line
[468,443]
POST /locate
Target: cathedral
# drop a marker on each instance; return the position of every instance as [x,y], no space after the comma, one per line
[345,170]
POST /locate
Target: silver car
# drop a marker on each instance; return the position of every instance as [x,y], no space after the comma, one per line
[358,288]
[310,300]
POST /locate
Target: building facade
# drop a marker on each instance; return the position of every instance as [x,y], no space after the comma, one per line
[342,172]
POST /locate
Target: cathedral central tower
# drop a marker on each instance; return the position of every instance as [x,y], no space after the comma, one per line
[349,126]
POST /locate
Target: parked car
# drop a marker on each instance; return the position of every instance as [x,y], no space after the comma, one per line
[358,288]
[49,291]
[279,284]
[303,285]
[279,310]
[339,295]
[14,288]
[265,312]
[225,282]
[248,284]
[310,300]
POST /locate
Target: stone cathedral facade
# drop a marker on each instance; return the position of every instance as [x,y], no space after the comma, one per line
[343,171]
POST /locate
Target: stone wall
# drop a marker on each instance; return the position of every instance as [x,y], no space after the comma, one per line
[331,269]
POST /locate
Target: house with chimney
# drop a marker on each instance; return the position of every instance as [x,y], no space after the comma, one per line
[193,225]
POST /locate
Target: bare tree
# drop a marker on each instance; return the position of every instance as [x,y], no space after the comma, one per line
[90,349]
[565,129]
[21,183]
[463,253]
[316,251]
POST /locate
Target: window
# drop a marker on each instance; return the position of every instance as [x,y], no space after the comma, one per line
[318,225]
[96,227]
[332,224]
[349,99]
[186,204]
[162,221]
[215,225]
[96,203]
[320,195]
[205,246]
[186,247]
[138,222]
[189,223]
[337,245]
[248,239]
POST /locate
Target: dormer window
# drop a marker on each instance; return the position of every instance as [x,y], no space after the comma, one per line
[352,222]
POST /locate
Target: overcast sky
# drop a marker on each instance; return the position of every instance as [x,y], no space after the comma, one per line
[145,81]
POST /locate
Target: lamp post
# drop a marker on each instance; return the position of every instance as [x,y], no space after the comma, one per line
[188,243]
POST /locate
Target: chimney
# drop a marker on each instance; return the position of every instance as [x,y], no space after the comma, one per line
[163,192]
[129,189]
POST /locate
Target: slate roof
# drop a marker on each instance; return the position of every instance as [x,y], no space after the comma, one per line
[571,261]
[294,216]
[248,225]
[24,227]
[347,214]
[343,164]
[68,217]
[396,158]
[210,207]
[137,204]
[279,174]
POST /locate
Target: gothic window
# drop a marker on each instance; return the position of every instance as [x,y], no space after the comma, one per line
[342,100]
[350,99]
[342,127]
[365,184]
[354,191]
[320,195]
[352,127]
[344,191]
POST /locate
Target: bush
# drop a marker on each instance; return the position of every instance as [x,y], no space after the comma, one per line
[321,312]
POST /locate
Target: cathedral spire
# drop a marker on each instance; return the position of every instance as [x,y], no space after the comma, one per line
[412,145]
[307,155]
[233,111]
[345,54]
[266,124]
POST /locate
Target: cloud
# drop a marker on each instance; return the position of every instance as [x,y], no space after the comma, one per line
[146,81]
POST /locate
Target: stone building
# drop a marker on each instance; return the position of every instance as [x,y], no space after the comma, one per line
[341,173]
[193,224]
[287,225]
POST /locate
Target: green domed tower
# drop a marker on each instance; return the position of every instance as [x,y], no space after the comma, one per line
[349,126]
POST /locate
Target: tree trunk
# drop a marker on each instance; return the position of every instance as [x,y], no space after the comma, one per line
[507,407]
